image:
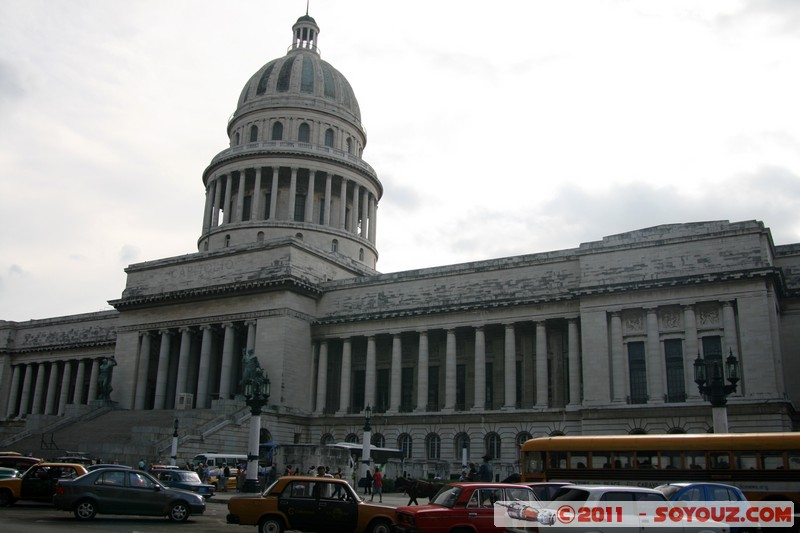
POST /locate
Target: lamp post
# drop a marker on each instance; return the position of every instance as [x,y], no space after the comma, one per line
[710,378]
[365,451]
[173,458]
[256,394]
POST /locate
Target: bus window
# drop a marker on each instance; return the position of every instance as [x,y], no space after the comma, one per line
[745,460]
[695,460]
[534,463]
[720,460]
[623,460]
[772,460]
[794,460]
[578,459]
[647,459]
[670,460]
[601,460]
[558,460]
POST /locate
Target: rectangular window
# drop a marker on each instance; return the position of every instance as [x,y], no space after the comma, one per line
[676,384]
[407,389]
[712,353]
[638,372]
[433,388]
[267,205]
[322,211]
[461,387]
[246,206]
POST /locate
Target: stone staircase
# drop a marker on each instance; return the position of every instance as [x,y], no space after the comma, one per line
[128,436]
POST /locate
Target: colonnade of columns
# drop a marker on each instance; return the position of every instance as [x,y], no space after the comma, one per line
[470,352]
[204,361]
[272,193]
[46,387]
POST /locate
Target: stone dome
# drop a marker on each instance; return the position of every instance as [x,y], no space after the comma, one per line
[300,78]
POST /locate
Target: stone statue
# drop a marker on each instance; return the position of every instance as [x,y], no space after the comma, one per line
[250,367]
[104,389]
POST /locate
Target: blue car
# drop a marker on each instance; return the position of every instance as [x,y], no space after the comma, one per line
[705,492]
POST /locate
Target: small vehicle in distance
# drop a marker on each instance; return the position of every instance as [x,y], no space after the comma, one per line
[184,479]
[38,483]
[462,506]
[125,491]
[311,504]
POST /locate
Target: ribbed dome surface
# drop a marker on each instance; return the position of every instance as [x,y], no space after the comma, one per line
[297,76]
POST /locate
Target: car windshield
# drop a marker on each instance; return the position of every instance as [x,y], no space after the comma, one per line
[668,490]
[187,477]
[447,496]
[570,495]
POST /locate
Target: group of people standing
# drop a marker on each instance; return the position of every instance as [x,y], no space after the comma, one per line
[373,484]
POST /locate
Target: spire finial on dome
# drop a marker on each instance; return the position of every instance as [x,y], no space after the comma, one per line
[305,32]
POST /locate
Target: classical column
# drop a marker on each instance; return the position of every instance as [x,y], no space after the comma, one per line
[309,214]
[227,362]
[209,205]
[65,379]
[205,365]
[618,374]
[255,205]
[143,372]
[52,384]
[94,371]
[573,338]
[373,222]
[422,373]
[480,369]
[692,351]
[730,338]
[397,375]
[38,390]
[328,185]
[183,363]
[450,371]
[251,334]
[12,398]
[26,390]
[344,390]
[364,218]
[322,377]
[80,376]
[541,364]
[343,206]
[227,209]
[163,369]
[510,363]
[217,200]
[292,193]
[273,197]
[356,209]
[369,386]
[655,362]
[242,185]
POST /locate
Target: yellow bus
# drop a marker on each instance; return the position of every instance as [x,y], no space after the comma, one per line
[766,466]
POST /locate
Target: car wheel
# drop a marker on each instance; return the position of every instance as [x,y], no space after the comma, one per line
[270,525]
[6,498]
[179,512]
[85,510]
[381,526]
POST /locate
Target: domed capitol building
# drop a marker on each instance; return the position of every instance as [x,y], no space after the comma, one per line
[598,339]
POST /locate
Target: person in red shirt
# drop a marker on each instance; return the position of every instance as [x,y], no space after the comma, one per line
[377,485]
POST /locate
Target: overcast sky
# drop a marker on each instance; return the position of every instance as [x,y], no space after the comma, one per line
[497,128]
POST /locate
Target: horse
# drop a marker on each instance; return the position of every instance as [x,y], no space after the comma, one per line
[416,488]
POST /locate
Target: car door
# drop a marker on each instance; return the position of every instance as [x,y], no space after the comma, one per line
[480,508]
[299,506]
[36,483]
[109,487]
[335,512]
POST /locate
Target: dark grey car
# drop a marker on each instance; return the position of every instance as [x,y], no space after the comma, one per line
[126,492]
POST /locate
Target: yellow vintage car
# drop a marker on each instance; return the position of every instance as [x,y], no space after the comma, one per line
[38,483]
[308,503]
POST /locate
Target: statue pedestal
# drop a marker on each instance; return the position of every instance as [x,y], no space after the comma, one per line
[104,403]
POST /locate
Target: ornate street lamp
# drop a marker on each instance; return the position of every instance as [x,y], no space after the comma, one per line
[174,455]
[256,394]
[365,450]
[710,377]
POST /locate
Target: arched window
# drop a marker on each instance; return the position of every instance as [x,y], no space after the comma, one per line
[277,131]
[260,236]
[349,145]
[227,240]
[299,236]
[522,437]
[329,137]
[378,440]
[460,442]
[327,438]
[676,430]
[304,133]
[253,133]
[351,438]
[334,246]
[361,254]
[236,139]
[556,433]
[433,446]
[264,435]
[404,443]
[493,445]
[638,431]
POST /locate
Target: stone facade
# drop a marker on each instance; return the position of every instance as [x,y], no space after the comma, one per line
[596,339]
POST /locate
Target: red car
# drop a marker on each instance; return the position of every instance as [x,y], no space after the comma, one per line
[467,506]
